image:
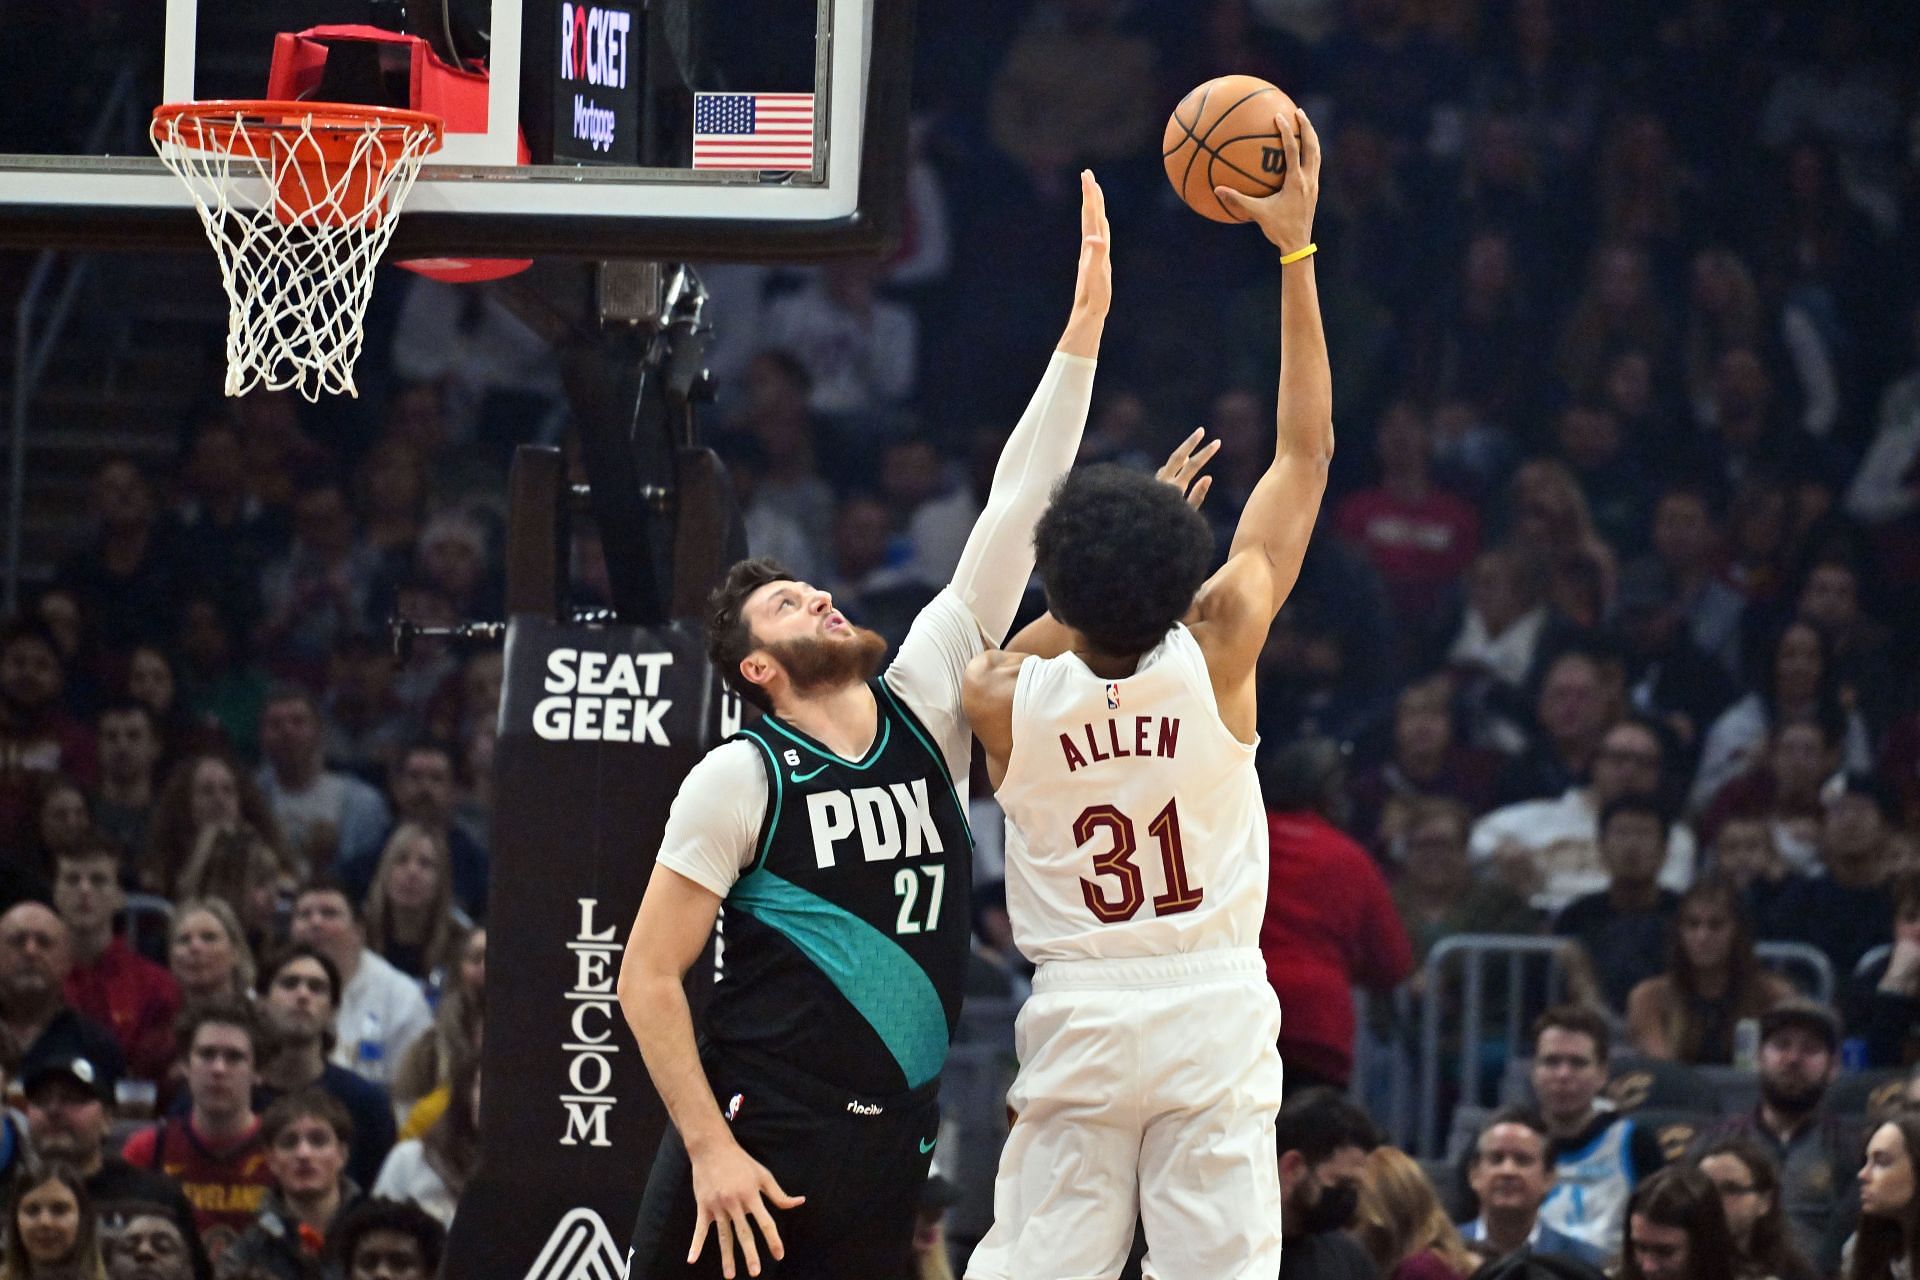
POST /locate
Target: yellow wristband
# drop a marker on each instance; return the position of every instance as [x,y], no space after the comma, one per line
[1297,254]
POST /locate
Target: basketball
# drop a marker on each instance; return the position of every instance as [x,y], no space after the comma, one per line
[1222,135]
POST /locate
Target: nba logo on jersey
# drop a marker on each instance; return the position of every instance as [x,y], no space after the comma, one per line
[1113,696]
[733,1106]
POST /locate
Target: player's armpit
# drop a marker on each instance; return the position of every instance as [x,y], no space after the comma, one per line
[1232,613]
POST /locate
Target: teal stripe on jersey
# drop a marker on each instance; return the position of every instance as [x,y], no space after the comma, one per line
[877,977]
[779,795]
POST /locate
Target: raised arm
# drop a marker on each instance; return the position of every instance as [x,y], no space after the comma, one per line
[1238,603]
[998,558]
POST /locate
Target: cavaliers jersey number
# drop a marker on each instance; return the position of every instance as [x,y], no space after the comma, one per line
[1125,899]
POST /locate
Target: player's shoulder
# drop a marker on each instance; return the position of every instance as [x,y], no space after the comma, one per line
[740,761]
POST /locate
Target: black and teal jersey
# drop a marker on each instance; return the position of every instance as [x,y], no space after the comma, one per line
[845,944]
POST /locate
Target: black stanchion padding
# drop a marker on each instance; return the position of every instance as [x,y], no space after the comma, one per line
[598,727]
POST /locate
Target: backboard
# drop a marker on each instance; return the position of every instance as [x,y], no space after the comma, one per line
[600,129]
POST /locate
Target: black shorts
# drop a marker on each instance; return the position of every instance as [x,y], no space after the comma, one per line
[860,1162]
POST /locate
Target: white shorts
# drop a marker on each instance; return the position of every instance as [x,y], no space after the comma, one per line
[1147,1087]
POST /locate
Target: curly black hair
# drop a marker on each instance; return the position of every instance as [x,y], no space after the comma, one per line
[1121,555]
[402,1218]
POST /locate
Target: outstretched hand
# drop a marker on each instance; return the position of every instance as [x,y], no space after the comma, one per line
[731,1193]
[1093,290]
[1183,466]
[1286,216]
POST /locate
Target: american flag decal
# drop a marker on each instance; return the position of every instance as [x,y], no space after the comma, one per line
[753,131]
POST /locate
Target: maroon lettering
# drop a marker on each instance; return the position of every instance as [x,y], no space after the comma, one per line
[1074,758]
[1140,747]
[1113,740]
[1093,748]
[1169,736]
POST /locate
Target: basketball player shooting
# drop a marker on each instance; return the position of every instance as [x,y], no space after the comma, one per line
[834,832]
[1120,735]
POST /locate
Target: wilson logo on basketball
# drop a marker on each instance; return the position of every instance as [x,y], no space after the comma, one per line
[1273,160]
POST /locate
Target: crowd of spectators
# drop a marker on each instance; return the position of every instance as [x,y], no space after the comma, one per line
[1801,1185]
[1608,631]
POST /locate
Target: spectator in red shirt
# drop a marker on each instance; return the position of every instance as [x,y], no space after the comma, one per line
[215,1151]
[130,995]
[1420,538]
[1330,923]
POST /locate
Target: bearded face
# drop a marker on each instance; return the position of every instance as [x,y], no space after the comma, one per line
[818,664]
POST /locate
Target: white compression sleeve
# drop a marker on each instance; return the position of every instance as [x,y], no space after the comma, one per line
[998,558]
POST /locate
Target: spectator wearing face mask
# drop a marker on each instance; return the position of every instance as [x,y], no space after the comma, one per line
[1324,1142]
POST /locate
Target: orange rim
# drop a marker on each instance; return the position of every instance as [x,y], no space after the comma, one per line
[302,176]
[326,117]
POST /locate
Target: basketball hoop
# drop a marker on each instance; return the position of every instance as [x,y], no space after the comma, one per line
[299,200]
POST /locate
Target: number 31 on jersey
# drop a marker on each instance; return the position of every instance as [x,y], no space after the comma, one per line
[1113,904]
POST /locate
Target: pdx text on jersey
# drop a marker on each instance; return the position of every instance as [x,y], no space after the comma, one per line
[603,697]
[1118,738]
[892,821]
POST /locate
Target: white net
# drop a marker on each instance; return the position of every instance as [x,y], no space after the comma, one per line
[299,208]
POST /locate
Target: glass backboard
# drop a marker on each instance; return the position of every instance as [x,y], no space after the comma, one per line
[589,128]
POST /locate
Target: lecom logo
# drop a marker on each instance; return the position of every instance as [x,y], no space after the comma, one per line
[580,1248]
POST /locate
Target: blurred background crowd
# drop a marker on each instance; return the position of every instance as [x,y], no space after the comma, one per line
[1607,635]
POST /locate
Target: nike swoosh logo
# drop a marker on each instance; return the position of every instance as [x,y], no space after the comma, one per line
[806,777]
[926,1146]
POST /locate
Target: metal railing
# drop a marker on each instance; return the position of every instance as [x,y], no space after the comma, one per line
[117,122]
[1478,1087]
[1473,950]
[1383,1067]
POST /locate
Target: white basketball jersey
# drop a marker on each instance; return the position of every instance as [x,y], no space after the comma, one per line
[1134,822]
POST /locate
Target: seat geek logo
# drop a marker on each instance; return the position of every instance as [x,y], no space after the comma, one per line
[596,99]
[603,697]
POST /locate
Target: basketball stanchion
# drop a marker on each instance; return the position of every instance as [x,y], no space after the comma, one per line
[299,200]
